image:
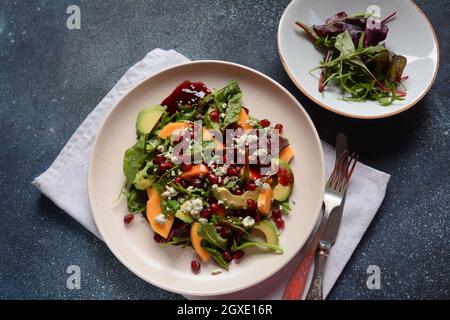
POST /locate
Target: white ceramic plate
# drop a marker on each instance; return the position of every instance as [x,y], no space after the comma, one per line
[169,268]
[410,34]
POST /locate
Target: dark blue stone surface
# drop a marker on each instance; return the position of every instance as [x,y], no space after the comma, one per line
[51,78]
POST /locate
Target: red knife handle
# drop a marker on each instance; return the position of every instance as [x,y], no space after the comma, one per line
[297,283]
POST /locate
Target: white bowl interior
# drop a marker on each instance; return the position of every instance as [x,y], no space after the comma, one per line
[169,268]
[410,35]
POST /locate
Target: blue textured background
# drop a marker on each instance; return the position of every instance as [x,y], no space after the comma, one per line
[51,78]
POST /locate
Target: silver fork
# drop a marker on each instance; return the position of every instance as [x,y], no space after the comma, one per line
[334,194]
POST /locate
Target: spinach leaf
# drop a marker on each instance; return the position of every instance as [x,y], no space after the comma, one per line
[231,96]
[217,256]
[209,233]
[133,161]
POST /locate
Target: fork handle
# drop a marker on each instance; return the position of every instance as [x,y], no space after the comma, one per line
[316,289]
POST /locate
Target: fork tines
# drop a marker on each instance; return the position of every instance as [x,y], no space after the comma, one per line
[342,172]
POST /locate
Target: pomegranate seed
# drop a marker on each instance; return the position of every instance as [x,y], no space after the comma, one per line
[158,238]
[264,123]
[251,186]
[159,159]
[165,165]
[276,213]
[227,256]
[178,180]
[192,135]
[128,218]
[238,192]
[257,217]
[239,213]
[238,254]
[279,127]
[232,172]
[206,213]
[184,183]
[238,237]
[214,116]
[251,204]
[195,266]
[197,183]
[213,178]
[214,207]
[246,110]
[280,223]
[186,166]
[225,232]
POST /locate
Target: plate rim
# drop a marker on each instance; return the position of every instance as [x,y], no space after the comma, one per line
[350,115]
[256,281]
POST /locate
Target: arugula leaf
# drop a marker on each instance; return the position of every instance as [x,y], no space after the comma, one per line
[135,200]
[172,206]
[231,221]
[152,144]
[283,204]
[209,233]
[142,179]
[345,45]
[217,257]
[176,241]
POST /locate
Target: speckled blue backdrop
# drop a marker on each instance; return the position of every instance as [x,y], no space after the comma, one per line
[51,78]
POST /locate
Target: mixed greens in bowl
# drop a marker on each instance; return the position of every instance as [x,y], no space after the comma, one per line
[356,60]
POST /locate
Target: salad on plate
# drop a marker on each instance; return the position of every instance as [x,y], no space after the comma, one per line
[206,174]
[356,60]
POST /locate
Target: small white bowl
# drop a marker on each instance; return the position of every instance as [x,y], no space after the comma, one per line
[410,34]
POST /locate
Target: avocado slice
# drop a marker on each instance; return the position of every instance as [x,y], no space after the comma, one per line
[143,184]
[283,190]
[232,200]
[183,217]
[269,231]
[148,118]
[281,193]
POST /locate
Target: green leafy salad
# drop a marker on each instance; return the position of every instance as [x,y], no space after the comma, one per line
[207,175]
[356,60]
